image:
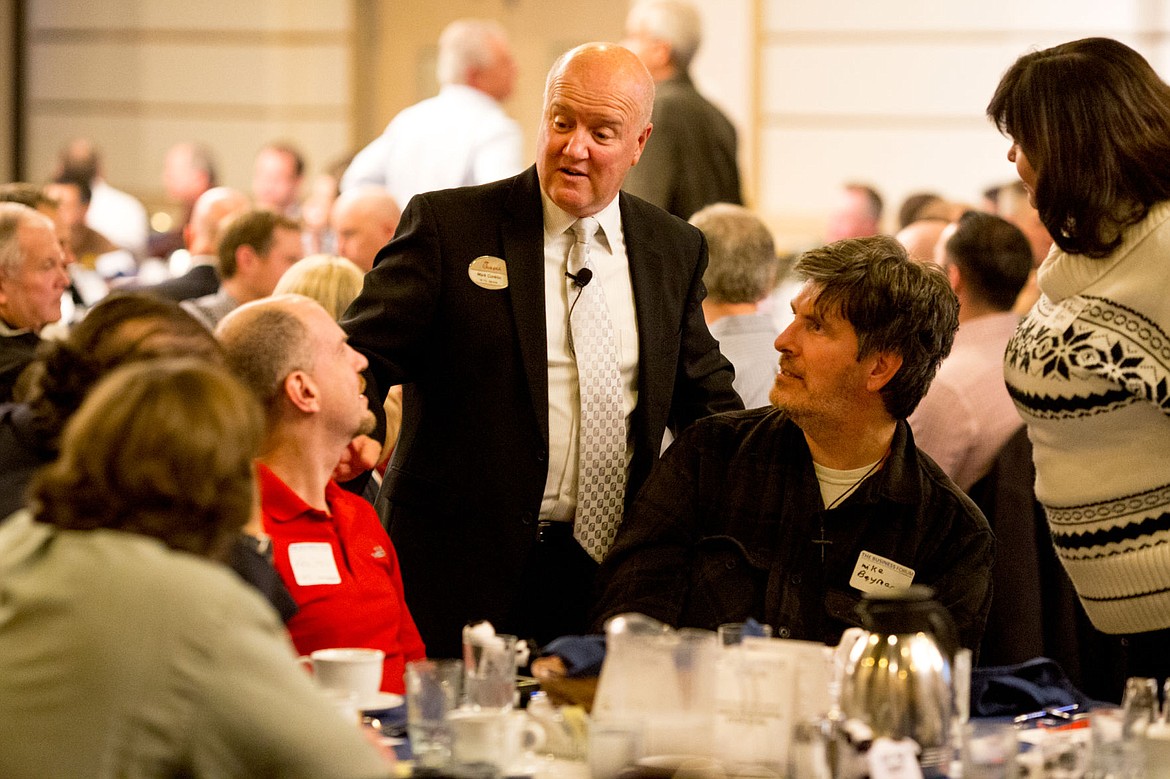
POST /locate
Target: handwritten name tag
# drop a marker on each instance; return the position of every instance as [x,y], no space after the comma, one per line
[312,563]
[876,574]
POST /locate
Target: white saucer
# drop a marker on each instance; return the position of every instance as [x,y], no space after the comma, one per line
[664,766]
[380,702]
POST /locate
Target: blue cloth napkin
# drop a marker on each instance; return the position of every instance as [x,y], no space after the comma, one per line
[1008,690]
[582,655]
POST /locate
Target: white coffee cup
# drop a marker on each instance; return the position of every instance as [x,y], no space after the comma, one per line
[493,736]
[349,670]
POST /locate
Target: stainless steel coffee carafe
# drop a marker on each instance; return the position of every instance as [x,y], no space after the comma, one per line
[898,692]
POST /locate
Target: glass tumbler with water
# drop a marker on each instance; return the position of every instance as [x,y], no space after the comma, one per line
[490,675]
[433,691]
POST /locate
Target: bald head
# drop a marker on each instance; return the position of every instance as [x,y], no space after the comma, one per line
[269,342]
[364,220]
[266,340]
[921,237]
[610,66]
[210,212]
[597,104]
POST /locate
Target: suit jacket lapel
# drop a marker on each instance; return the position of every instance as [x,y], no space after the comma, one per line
[648,276]
[523,237]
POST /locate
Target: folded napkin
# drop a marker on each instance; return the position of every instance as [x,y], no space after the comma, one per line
[1034,685]
[582,655]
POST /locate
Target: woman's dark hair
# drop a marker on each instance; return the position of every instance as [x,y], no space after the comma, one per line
[162,448]
[122,328]
[1093,118]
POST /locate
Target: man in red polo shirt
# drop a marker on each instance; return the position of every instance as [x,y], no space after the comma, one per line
[328,545]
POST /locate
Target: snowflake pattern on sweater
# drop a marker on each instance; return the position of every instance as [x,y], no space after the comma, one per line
[1123,355]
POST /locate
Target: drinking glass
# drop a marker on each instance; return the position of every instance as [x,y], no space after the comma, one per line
[1139,705]
[989,750]
[433,691]
[490,676]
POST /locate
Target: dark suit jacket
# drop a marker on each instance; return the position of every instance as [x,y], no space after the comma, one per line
[16,352]
[468,474]
[199,281]
[690,160]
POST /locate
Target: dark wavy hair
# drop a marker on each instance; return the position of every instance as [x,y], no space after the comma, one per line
[122,328]
[164,449]
[894,304]
[1093,118]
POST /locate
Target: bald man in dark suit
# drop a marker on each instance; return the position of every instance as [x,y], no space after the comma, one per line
[469,306]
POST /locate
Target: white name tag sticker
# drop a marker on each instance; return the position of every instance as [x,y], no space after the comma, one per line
[1066,313]
[876,574]
[312,563]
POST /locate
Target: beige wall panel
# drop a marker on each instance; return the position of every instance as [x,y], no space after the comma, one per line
[802,168]
[232,74]
[186,14]
[914,79]
[7,74]
[1083,16]
[1158,53]
[134,146]
[140,75]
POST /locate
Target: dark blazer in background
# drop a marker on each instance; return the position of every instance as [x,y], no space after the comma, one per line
[198,281]
[690,159]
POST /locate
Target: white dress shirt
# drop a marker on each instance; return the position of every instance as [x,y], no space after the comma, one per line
[611,269]
[118,216]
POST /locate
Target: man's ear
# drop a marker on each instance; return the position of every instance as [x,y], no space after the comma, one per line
[642,138]
[302,392]
[955,276]
[246,259]
[884,366]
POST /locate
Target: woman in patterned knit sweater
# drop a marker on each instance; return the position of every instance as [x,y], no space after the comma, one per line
[1089,367]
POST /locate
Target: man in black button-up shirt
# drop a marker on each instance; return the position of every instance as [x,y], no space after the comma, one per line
[790,514]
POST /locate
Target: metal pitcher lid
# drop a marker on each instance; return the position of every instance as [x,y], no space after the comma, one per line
[909,610]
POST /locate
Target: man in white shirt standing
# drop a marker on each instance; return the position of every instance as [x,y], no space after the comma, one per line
[459,137]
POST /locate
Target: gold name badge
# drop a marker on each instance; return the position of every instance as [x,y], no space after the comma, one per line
[488,272]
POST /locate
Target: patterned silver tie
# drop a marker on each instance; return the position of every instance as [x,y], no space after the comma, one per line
[601,463]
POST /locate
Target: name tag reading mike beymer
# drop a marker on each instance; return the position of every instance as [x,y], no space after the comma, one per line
[875,574]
